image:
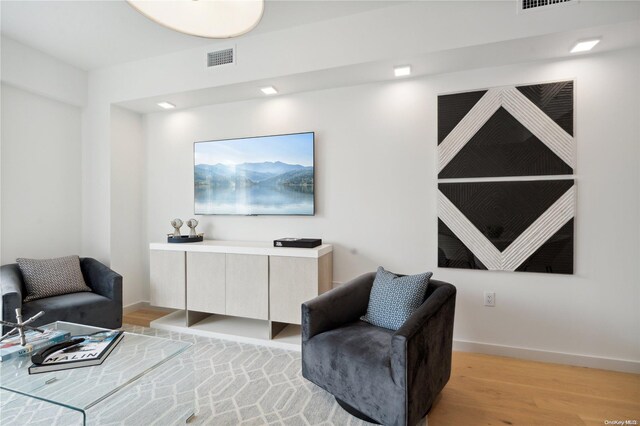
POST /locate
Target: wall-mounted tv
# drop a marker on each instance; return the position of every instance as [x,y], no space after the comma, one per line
[267,175]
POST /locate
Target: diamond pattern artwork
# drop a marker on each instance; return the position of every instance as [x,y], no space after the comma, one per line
[504,147]
[502,225]
[507,208]
[509,131]
[502,211]
[236,384]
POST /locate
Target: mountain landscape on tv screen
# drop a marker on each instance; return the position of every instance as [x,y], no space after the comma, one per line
[293,177]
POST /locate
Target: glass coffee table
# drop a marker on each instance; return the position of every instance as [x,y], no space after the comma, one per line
[145,380]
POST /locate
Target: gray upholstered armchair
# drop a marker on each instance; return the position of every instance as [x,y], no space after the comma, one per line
[102,307]
[380,375]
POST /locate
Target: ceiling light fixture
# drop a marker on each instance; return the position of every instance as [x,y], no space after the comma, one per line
[585,45]
[269,90]
[166,105]
[204,18]
[402,71]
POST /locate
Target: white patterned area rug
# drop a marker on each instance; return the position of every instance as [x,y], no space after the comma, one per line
[236,384]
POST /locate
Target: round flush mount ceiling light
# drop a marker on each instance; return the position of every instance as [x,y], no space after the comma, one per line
[203,18]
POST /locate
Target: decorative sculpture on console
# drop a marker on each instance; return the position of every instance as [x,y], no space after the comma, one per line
[192,223]
[193,236]
[177,224]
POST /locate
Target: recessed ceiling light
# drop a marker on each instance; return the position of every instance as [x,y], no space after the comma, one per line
[269,90]
[585,46]
[166,105]
[402,71]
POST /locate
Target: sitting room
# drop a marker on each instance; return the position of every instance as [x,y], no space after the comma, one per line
[320,212]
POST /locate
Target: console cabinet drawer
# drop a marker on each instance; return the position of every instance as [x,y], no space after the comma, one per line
[293,281]
[167,278]
[247,286]
[206,282]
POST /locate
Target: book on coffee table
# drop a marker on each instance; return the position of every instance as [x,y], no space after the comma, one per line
[11,348]
[91,349]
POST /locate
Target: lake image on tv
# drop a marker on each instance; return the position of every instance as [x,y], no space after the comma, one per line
[266,175]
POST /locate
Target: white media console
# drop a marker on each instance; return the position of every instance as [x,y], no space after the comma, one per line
[245,291]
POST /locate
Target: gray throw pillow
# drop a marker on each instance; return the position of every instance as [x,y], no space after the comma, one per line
[51,277]
[394,298]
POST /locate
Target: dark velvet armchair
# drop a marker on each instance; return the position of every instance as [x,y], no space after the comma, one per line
[380,375]
[102,307]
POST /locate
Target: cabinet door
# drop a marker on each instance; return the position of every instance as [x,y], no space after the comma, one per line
[247,286]
[206,282]
[292,281]
[167,278]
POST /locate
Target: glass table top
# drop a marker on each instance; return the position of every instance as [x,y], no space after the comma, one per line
[82,388]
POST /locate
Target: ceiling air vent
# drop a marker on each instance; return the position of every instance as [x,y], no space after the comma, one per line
[537,4]
[220,57]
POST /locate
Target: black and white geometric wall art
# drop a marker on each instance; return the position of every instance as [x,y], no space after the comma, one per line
[507,131]
[506,158]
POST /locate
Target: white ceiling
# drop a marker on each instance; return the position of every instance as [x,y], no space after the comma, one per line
[93,34]
[548,47]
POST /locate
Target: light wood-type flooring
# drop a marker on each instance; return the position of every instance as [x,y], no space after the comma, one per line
[492,390]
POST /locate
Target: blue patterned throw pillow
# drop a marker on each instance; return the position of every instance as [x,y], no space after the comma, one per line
[393,299]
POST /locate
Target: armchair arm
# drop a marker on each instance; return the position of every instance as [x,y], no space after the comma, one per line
[421,348]
[11,289]
[336,307]
[101,279]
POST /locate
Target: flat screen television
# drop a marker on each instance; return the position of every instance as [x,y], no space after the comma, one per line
[266,175]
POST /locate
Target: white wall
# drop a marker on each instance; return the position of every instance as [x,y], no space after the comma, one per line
[39,73]
[376,197]
[128,204]
[41,204]
[41,153]
[418,28]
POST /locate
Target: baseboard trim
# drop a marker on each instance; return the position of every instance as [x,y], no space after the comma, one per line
[143,305]
[622,365]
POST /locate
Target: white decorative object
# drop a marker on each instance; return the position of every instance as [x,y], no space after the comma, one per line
[177,224]
[192,223]
[204,18]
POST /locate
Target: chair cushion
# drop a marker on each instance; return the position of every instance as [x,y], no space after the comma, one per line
[81,308]
[394,298]
[51,277]
[353,363]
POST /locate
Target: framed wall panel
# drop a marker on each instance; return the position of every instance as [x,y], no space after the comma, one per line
[507,131]
[525,222]
[513,226]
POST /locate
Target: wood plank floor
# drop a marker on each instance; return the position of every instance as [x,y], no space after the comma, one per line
[492,390]
[143,317]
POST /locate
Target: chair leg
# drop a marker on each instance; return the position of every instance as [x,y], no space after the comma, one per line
[355,413]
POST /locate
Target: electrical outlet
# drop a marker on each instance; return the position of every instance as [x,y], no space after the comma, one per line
[489,298]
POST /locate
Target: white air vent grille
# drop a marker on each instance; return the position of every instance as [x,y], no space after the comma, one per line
[220,57]
[534,4]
